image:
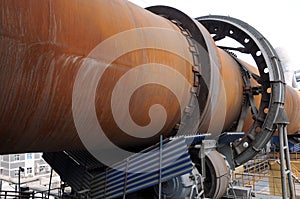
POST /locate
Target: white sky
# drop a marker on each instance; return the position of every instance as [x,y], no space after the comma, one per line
[276,20]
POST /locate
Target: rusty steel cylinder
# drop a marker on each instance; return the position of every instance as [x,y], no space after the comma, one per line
[292,107]
[43,45]
[50,50]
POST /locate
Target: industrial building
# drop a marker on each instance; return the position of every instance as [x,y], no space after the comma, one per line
[33,165]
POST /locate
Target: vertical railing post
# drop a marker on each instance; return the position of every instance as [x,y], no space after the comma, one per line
[125,179]
[160,166]
[50,181]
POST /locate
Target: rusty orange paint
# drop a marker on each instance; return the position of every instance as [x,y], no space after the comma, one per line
[43,45]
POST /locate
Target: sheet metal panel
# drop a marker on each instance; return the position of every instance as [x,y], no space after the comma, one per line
[142,170]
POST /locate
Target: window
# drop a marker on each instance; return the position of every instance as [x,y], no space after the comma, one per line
[29,156]
[42,168]
[37,156]
[16,158]
[16,173]
[29,170]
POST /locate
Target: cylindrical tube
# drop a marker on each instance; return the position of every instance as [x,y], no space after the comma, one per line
[45,44]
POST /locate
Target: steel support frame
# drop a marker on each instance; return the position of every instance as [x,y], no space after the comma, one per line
[271,79]
[273,91]
[285,163]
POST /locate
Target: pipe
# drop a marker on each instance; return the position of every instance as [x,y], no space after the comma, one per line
[45,45]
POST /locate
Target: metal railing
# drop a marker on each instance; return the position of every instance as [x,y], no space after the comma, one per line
[275,155]
[261,176]
[264,184]
[30,194]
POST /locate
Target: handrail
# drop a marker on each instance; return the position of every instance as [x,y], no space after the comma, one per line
[27,194]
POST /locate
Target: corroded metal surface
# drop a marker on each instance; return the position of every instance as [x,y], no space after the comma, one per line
[292,107]
[44,44]
[42,48]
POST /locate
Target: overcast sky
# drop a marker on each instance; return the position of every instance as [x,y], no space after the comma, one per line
[277,20]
